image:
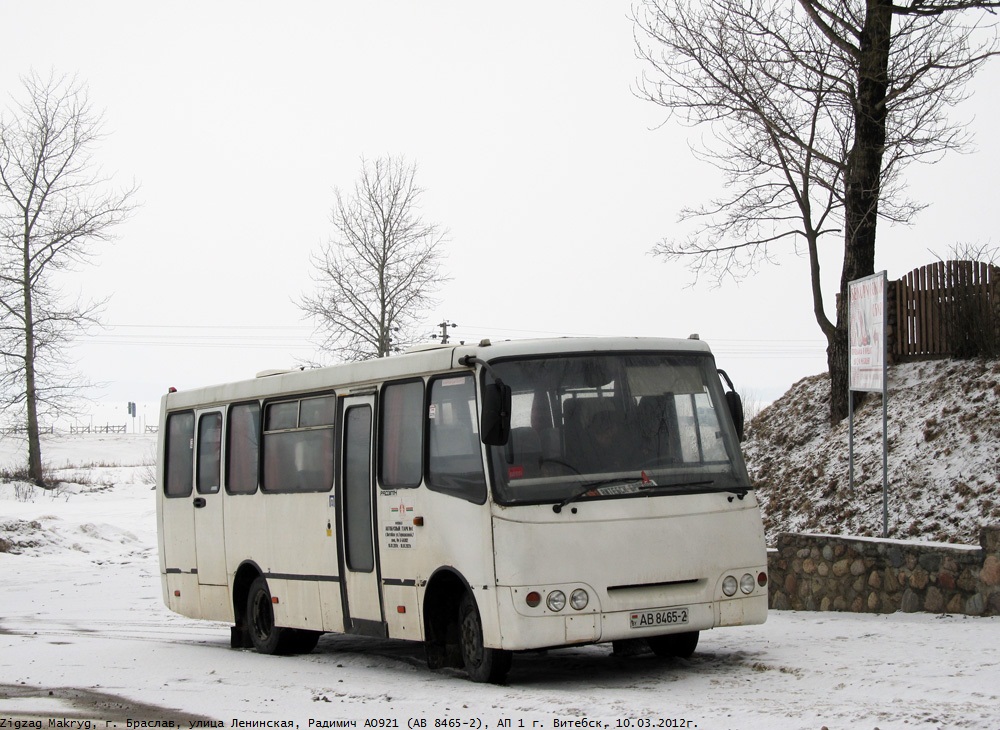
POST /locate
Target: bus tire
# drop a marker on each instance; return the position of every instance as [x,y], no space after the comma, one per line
[434,653]
[302,641]
[266,637]
[481,663]
[674,645]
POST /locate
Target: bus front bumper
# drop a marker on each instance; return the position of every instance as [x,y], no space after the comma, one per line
[525,628]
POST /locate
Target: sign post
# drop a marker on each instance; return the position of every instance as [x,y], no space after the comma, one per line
[867,352]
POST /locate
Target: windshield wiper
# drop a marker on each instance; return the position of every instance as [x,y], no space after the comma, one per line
[694,488]
[587,489]
[679,486]
[683,487]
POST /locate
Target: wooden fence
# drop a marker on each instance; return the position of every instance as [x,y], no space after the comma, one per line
[945,309]
[106,428]
[23,430]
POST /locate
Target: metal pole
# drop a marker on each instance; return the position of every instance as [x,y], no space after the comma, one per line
[444,330]
[885,464]
[850,440]
[885,412]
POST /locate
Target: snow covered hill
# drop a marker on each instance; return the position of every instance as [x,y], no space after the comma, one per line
[943,456]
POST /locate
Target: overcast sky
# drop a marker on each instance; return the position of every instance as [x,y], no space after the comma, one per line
[238,119]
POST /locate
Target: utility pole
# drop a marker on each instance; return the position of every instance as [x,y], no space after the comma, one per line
[444,331]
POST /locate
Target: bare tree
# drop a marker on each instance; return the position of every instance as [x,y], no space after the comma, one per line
[55,205]
[377,274]
[815,109]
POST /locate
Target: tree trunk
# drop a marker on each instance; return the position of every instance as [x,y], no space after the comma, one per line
[837,362]
[30,392]
[863,176]
[34,440]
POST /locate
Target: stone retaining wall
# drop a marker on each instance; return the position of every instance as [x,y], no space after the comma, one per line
[867,575]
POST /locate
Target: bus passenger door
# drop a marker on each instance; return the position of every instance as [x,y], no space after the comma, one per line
[208,524]
[355,507]
[177,529]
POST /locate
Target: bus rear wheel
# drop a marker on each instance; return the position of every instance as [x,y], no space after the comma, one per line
[482,664]
[674,645]
[266,637]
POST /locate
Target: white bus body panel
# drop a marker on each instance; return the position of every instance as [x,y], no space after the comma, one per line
[294,542]
[455,535]
[606,547]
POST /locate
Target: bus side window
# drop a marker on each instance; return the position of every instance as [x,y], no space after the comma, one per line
[298,456]
[454,456]
[358,547]
[209,452]
[401,445]
[243,448]
[318,411]
[179,477]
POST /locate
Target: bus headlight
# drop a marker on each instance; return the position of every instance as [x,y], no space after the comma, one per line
[747,583]
[579,599]
[729,586]
[556,601]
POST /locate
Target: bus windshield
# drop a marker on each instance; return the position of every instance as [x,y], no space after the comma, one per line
[615,426]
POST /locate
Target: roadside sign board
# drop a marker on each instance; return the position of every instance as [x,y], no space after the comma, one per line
[866,338]
[867,351]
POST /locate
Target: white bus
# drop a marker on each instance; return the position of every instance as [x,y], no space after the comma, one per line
[483,500]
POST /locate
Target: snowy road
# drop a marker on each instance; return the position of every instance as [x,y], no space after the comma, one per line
[99,641]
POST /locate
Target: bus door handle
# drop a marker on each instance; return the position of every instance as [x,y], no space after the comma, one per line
[199,502]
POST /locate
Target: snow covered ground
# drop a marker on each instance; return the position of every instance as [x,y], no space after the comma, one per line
[84,635]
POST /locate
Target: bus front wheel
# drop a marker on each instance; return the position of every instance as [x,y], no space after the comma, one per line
[481,663]
[266,637]
[674,645]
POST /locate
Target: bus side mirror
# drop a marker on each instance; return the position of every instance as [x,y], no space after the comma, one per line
[735,404]
[494,427]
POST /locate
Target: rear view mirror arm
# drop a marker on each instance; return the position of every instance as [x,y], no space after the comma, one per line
[494,428]
[735,404]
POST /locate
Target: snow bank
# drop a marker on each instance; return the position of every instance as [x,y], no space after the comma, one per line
[943,460]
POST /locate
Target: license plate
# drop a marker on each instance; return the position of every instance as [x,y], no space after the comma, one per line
[659,617]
